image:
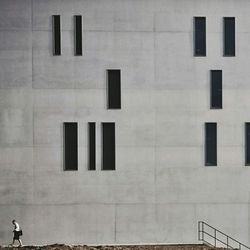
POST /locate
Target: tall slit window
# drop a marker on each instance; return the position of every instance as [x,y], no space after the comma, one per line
[210,144]
[70,146]
[56,35]
[247,143]
[114,88]
[78,35]
[216,89]
[229,36]
[92,146]
[108,146]
[199,36]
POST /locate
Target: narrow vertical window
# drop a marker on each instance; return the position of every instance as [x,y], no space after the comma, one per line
[78,35]
[114,89]
[56,35]
[70,146]
[247,144]
[200,36]
[211,144]
[216,89]
[108,146]
[92,146]
[229,36]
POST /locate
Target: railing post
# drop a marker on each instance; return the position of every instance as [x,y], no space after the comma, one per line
[227,241]
[239,246]
[199,237]
[202,231]
[215,237]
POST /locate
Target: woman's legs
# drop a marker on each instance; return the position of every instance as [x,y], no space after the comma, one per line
[13,242]
[20,243]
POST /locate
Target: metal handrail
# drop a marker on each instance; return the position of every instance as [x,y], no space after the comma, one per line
[202,232]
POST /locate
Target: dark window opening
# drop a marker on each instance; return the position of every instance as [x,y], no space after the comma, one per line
[114,89]
[70,146]
[56,35]
[108,146]
[92,146]
[200,36]
[211,144]
[216,89]
[247,144]
[78,35]
[229,36]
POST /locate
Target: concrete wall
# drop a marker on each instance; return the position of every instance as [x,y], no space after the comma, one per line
[160,188]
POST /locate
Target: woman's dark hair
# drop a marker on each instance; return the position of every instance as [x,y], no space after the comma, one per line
[13,221]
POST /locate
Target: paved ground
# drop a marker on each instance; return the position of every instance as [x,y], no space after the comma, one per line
[123,247]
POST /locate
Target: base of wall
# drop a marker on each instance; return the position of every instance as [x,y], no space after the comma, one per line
[116,247]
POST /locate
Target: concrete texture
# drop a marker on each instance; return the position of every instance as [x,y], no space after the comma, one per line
[160,188]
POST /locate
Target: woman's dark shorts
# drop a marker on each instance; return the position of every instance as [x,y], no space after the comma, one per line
[16,235]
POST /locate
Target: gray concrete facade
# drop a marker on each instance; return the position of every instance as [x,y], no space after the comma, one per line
[160,188]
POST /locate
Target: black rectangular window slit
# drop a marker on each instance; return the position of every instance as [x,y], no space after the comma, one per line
[200,36]
[210,144]
[108,146]
[216,89]
[229,36]
[78,35]
[114,89]
[70,146]
[56,35]
[92,146]
[247,144]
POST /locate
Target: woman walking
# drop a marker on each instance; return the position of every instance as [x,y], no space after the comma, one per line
[17,233]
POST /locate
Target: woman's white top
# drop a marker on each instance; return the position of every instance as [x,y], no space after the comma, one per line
[17,227]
